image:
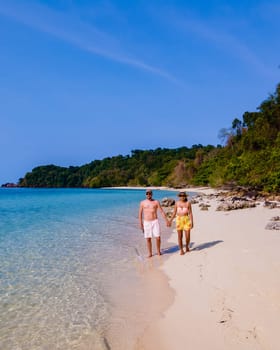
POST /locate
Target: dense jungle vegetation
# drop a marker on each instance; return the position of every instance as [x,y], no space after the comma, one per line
[250,157]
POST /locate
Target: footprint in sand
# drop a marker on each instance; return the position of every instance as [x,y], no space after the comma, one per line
[242,339]
[226,316]
[234,336]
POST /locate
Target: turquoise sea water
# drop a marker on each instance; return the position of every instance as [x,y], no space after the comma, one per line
[66,256]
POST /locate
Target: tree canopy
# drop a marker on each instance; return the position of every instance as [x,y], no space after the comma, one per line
[249,157]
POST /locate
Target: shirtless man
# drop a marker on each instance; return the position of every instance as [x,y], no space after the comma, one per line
[148,221]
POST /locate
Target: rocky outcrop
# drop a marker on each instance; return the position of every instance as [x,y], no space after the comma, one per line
[204,206]
[167,202]
[274,223]
[235,204]
[271,205]
[9,185]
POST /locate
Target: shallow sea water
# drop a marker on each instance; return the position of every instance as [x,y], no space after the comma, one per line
[72,269]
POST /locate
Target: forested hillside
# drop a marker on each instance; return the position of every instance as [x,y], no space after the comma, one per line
[250,156]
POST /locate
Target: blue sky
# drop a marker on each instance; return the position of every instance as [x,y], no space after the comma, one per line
[85,80]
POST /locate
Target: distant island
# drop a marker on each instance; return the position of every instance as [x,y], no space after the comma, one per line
[249,157]
[9,185]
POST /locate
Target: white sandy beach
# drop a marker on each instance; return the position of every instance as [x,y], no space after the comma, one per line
[227,289]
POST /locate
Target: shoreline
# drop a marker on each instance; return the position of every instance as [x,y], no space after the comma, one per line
[227,289]
[203,190]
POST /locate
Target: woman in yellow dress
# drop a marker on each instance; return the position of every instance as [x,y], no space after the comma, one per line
[184,220]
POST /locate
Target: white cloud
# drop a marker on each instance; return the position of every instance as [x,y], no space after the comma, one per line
[71,29]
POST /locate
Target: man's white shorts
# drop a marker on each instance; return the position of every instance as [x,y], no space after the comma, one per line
[151,229]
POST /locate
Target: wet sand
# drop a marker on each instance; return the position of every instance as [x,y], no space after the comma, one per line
[136,309]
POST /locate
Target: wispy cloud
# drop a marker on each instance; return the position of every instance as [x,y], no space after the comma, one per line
[218,36]
[69,28]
